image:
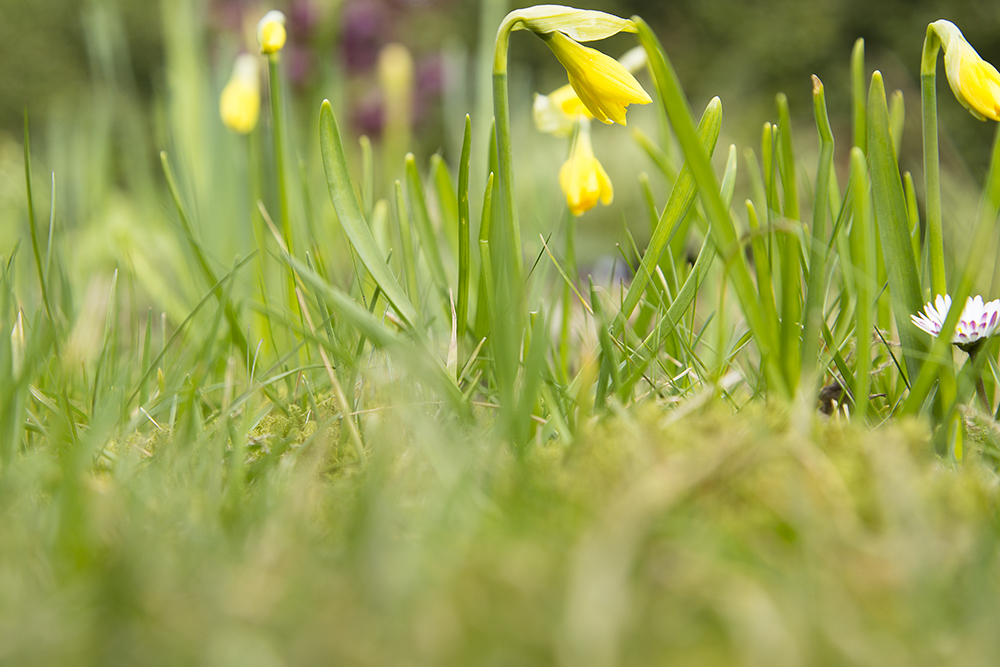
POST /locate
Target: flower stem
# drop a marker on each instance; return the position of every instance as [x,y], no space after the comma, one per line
[278,132]
[505,152]
[932,175]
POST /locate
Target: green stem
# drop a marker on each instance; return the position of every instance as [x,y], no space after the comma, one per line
[940,355]
[501,111]
[278,134]
[932,175]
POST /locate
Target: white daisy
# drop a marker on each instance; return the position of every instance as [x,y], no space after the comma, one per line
[979,320]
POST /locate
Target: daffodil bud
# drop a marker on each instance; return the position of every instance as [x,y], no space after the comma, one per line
[271,33]
[975,82]
[582,178]
[239,104]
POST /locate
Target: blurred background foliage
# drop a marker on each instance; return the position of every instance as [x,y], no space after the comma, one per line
[744,52]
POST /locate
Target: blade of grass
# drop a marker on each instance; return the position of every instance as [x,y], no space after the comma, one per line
[893,226]
[464,259]
[351,219]
[816,287]
[678,205]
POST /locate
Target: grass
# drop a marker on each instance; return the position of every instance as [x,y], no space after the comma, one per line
[244,422]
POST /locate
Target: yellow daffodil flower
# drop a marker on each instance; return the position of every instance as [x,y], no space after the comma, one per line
[975,82]
[557,112]
[239,104]
[271,33]
[582,178]
[603,84]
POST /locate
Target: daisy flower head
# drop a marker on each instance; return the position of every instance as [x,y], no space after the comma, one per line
[979,320]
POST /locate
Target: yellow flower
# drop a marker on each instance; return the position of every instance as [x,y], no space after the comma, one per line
[603,84]
[557,112]
[239,104]
[582,178]
[271,32]
[975,82]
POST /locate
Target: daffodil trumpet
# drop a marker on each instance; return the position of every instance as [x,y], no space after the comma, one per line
[582,178]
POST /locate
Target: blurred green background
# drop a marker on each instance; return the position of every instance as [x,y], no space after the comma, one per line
[102,67]
[743,51]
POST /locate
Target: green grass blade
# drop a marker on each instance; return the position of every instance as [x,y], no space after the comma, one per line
[678,205]
[859,122]
[406,240]
[464,259]
[422,221]
[816,288]
[447,202]
[863,254]
[893,225]
[345,202]
[235,328]
[786,159]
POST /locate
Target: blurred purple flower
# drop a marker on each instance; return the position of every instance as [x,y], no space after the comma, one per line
[362,25]
[298,63]
[302,18]
[368,114]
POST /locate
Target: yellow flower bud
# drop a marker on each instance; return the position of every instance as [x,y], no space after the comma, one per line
[239,104]
[271,33]
[604,86]
[975,82]
[582,178]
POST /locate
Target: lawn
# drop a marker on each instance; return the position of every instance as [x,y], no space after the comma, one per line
[307,366]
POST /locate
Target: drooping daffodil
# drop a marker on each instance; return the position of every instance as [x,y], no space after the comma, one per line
[603,84]
[556,113]
[975,82]
[562,113]
[271,32]
[582,178]
[239,104]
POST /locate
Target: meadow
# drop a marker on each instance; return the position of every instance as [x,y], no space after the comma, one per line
[293,379]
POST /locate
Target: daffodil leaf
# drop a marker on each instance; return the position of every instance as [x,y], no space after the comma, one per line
[722,229]
[678,205]
[893,225]
[348,209]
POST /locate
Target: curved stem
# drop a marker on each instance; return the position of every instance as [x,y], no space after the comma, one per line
[932,176]
[501,111]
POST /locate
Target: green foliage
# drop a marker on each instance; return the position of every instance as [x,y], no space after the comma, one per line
[360,438]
